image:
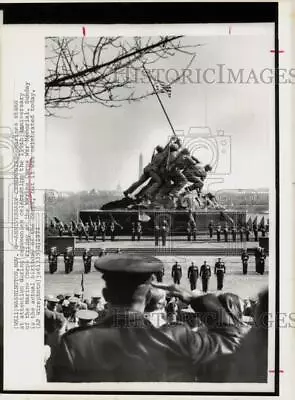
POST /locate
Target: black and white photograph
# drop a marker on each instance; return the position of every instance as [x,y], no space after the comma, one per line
[160,207]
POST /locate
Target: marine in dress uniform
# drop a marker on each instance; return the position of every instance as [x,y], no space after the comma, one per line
[225,232]
[176,273]
[255,231]
[164,232]
[241,232]
[234,233]
[95,231]
[247,232]
[193,274]
[138,230]
[263,231]
[218,233]
[126,347]
[245,259]
[261,263]
[157,235]
[103,229]
[70,230]
[160,274]
[52,259]
[69,259]
[60,228]
[219,271]
[86,231]
[205,274]
[87,256]
[211,227]
[112,229]
[66,230]
[133,231]
[80,230]
[258,252]
[194,232]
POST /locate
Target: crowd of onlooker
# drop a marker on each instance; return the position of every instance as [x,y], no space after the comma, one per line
[67,312]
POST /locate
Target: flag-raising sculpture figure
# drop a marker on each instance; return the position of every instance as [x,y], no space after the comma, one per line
[154,169]
[172,172]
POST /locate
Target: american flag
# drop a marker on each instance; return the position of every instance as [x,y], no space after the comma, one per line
[91,222]
[82,282]
[225,217]
[262,223]
[74,225]
[250,223]
[162,87]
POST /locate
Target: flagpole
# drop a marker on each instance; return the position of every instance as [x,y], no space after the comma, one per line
[158,97]
[82,286]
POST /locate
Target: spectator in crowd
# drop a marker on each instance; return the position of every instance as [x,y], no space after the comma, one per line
[172,309]
[249,364]
[66,308]
[60,298]
[155,309]
[54,328]
[96,304]
[218,370]
[86,317]
[102,253]
[53,320]
[73,307]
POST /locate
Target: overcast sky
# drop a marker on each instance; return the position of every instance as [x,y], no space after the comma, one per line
[99,147]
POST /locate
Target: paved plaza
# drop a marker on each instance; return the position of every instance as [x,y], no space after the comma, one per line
[235,281]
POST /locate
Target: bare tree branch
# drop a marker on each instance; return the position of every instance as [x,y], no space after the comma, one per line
[105,70]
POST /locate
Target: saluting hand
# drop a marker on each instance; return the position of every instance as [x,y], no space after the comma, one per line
[176,291]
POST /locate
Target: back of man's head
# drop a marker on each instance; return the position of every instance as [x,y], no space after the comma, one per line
[126,290]
[127,278]
[156,300]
